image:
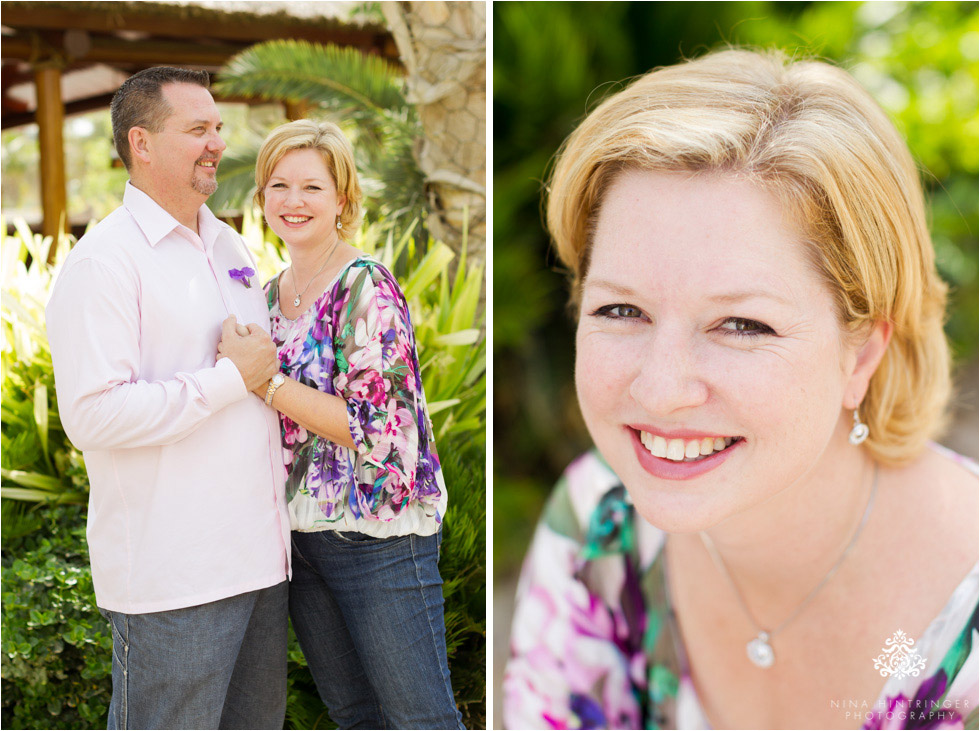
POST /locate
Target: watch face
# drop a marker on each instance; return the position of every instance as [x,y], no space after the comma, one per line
[278,379]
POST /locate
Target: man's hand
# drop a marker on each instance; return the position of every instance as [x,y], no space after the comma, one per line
[252,352]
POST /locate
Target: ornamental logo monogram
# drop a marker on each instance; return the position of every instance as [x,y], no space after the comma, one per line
[899,658]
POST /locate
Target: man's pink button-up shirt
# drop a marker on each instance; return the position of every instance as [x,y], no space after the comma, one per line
[187,501]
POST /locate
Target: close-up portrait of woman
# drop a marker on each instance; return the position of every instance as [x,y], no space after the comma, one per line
[765,526]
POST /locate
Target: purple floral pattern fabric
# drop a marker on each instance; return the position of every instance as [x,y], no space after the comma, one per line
[595,643]
[357,342]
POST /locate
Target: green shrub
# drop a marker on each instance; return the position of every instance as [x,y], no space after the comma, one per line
[57,659]
[463,568]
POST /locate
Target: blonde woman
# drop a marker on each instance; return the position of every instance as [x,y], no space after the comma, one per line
[364,485]
[761,364]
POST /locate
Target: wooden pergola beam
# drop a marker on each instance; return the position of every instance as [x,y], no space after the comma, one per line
[102,101]
[79,106]
[118,51]
[213,24]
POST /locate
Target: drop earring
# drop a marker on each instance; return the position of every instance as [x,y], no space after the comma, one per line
[339,224]
[859,432]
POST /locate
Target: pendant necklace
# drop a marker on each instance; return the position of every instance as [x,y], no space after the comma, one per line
[759,649]
[299,295]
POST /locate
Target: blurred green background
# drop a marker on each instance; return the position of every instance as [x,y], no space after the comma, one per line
[555,61]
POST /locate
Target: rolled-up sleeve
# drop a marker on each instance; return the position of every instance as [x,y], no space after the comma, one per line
[93,323]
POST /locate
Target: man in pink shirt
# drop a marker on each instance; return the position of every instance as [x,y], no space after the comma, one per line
[188,528]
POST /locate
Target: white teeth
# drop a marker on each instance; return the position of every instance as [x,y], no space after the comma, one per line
[296,219]
[206,163]
[675,449]
[680,450]
[659,447]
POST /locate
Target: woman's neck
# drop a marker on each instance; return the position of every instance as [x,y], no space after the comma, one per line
[307,261]
[782,548]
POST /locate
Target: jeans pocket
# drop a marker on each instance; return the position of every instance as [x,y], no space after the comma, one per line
[297,555]
[119,625]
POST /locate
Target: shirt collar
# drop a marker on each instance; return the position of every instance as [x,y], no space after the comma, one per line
[156,223]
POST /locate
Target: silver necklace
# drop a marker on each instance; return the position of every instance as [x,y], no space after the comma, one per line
[759,649]
[299,295]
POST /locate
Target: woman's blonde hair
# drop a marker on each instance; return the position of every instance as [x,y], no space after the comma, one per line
[809,134]
[329,140]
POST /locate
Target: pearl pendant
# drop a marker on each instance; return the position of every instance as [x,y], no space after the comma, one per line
[296,301]
[760,651]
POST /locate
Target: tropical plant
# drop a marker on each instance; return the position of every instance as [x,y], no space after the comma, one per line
[38,462]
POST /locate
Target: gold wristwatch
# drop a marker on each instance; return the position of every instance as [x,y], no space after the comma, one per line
[275,382]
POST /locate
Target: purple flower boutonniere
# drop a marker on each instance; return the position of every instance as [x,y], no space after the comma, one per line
[242,275]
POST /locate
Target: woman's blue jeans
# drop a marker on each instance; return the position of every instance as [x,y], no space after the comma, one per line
[368,613]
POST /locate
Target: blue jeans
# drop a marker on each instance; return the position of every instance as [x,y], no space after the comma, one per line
[217,665]
[368,615]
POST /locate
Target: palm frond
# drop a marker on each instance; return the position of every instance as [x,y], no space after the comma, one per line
[236,180]
[329,75]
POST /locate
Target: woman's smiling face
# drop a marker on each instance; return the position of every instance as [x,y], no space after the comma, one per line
[301,199]
[711,368]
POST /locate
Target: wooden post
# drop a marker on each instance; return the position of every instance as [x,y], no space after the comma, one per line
[50,122]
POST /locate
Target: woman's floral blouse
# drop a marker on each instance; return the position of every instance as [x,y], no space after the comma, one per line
[357,342]
[594,642]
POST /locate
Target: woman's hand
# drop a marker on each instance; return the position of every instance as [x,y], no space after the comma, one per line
[252,351]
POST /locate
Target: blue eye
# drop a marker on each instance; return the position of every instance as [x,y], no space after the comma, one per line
[741,327]
[618,312]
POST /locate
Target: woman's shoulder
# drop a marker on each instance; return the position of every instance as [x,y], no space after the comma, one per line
[946,660]
[929,529]
[942,485]
[365,268]
[591,506]
[365,282]
[953,458]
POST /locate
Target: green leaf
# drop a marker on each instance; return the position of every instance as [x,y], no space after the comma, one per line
[436,406]
[32,479]
[41,415]
[460,337]
[434,263]
[43,496]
